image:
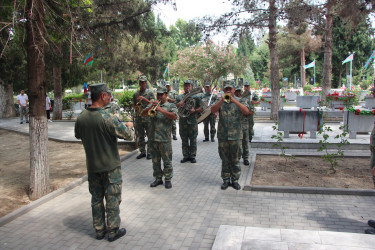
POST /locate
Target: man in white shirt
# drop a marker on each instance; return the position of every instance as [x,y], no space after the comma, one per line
[24,110]
[48,109]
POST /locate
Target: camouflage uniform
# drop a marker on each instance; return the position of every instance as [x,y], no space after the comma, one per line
[211,119]
[372,147]
[172,94]
[142,123]
[230,140]
[188,128]
[253,97]
[245,131]
[114,109]
[160,137]
[99,130]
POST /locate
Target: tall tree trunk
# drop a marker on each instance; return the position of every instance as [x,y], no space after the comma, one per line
[303,71]
[272,44]
[327,67]
[6,100]
[57,101]
[39,169]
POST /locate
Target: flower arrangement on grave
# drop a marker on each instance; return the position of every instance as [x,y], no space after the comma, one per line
[348,98]
[283,99]
[361,112]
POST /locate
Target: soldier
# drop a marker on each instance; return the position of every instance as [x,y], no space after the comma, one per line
[141,99]
[230,136]
[160,137]
[188,126]
[171,97]
[209,99]
[245,126]
[254,99]
[98,130]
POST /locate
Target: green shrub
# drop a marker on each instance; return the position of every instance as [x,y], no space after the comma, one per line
[126,100]
[307,88]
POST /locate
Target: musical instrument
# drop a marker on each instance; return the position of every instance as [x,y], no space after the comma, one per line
[227,97]
[152,112]
[189,102]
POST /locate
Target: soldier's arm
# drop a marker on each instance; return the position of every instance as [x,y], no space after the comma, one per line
[217,106]
[244,108]
[172,114]
[118,129]
[76,131]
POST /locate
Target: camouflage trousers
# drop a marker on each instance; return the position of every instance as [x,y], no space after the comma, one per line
[106,185]
[162,151]
[251,125]
[230,154]
[188,134]
[142,131]
[210,120]
[24,112]
[174,128]
[245,143]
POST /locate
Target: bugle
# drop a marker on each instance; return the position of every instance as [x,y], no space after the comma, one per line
[227,97]
[152,112]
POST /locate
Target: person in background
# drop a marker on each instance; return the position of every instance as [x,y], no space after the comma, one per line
[171,98]
[99,130]
[23,101]
[210,120]
[48,109]
[254,99]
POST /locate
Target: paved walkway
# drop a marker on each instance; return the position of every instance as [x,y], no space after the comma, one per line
[188,216]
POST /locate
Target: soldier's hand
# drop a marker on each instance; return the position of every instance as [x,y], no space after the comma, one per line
[192,110]
[129,125]
[180,104]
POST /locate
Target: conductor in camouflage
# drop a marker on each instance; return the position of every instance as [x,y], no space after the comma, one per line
[99,130]
[160,137]
[230,136]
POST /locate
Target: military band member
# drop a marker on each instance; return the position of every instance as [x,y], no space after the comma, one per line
[160,136]
[99,130]
[188,126]
[230,136]
[245,127]
[207,97]
[172,99]
[141,99]
[254,99]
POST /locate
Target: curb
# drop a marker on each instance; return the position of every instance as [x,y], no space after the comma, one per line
[301,190]
[23,210]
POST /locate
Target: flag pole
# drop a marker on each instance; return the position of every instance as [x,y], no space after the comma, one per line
[314,71]
[350,83]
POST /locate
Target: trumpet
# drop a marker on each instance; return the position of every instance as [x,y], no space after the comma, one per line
[227,98]
[152,112]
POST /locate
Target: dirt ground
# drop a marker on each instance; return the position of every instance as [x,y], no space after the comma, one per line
[67,163]
[352,172]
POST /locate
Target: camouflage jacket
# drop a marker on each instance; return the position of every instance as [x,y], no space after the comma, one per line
[160,128]
[192,118]
[372,140]
[149,95]
[245,118]
[172,94]
[230,125]
[99,130]
[206,98]
[113,108]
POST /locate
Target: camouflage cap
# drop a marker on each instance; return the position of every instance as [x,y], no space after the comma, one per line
[238,88]
[188,82]
[228,84]
[161,90]
[167,83]
[143,78]
[247,83]
[207,84]
[98,88]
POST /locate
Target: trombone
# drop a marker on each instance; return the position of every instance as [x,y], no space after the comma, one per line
[152,111]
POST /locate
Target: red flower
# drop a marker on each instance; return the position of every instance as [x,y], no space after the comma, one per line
[300,110]
[80,100]
[75,99]
[262,99]
[358,110]
[341,108]
[356,113]
[336,98]
[269,101]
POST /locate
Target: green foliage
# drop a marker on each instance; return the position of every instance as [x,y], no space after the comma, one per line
[279,143]
[336,154]
[126,100]
[307,88]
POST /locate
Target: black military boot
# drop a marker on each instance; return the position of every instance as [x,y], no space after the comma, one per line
[246,162]
[121,232]
[168,184]
[212,139]
[225,185]
[206,139]
[236,186]
[156,183]
[250,138]
[175,137]
[193,160]
[185,160]
[148,156]
[141,155]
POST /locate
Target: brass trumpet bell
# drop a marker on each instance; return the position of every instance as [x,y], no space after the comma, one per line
[152,112]
[227,98]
